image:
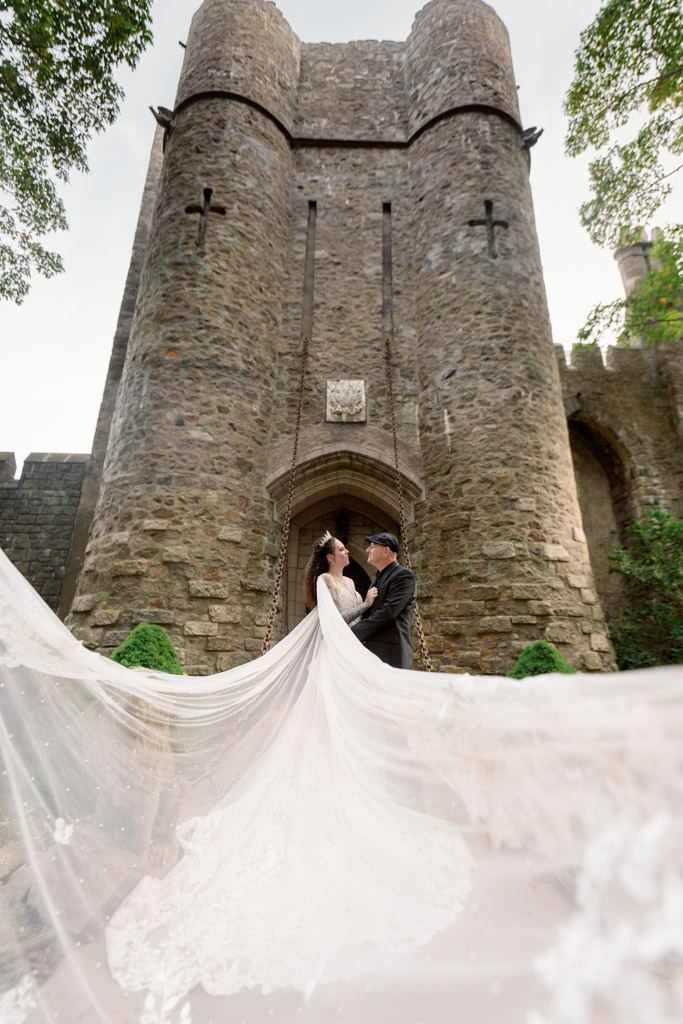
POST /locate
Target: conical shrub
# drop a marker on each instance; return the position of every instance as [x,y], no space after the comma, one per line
[149,647]
[539,658]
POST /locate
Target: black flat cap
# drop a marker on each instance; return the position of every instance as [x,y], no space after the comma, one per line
[385,540]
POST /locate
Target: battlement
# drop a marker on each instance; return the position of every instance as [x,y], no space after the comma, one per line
[37,515]
[457,57]
[584,359]
[627,399]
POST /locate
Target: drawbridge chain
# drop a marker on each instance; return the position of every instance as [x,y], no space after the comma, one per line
[424,653]
[290,494]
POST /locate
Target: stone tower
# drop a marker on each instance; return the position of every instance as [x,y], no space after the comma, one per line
[343,194]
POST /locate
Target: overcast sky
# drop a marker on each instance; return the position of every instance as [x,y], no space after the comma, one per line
[56,346]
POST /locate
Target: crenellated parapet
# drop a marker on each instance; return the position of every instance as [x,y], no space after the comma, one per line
[38,514]
[631,398]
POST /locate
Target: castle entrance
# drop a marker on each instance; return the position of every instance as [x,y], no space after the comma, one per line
[602,483]
[347,517]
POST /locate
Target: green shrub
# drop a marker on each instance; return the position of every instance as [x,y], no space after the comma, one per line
[649,634]
[539,658]
[649,630]
[148,646]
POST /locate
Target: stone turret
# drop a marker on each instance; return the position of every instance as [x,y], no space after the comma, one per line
[354,195]
[500,529]
[183,477]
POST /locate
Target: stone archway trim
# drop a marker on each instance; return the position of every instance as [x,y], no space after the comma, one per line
[329,470]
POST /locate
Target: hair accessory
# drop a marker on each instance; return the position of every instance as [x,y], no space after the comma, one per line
[324,539]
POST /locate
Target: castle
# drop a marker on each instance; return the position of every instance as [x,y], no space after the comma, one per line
[346,201]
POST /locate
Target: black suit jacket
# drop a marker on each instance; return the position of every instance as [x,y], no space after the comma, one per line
[385,628]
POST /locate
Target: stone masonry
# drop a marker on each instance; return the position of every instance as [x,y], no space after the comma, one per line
[37,516]
[353,196]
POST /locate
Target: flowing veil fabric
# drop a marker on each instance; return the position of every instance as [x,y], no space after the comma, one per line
[315,836]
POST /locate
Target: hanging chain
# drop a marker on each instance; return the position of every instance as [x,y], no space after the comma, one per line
[290,494]
[424,653]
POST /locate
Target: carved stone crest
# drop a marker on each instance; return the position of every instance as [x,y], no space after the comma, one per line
[346,401]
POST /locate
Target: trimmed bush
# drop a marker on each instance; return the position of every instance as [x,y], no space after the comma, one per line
[539,658]
[149,647]
[649,630]
[649,634]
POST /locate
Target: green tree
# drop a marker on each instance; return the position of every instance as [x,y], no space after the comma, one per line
[57,88]
[539,658]
[650,630]
[150,647]
[628,81]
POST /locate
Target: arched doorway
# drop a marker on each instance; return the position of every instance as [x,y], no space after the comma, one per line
[607,507]
[345,516]
[350,491]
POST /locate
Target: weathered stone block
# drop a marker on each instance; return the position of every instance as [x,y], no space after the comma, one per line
[577,581]
[539,608]
[526,592]
[554,553]
[257,586]
[579,535]
[104,618]
[224,662]
[523,620]
[204,588]
[526,505]
[589,596]
[469,607]
[84,603]
[115,539]
[557,633]
[219,613]
[591,661]
[231,534]
[495,624]
[199,670]
[175,555]
[469,659]
[154,524]
[157,616]
[498,549]
[134,567]
[114,638]
[599,642]
[221,643]
[200,629]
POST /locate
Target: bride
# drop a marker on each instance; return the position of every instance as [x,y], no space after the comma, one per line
[315,836]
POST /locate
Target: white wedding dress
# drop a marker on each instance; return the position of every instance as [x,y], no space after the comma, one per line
[359,843]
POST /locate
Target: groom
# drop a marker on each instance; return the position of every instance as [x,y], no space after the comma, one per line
[385,628]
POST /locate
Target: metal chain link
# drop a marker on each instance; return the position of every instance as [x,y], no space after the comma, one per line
[290,494]
[424,653]
[426,660]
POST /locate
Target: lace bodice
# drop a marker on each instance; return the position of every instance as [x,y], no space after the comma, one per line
[349,603]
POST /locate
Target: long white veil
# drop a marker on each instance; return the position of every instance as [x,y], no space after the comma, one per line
[315,836]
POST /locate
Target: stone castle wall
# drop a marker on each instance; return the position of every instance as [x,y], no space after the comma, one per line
[37,516]
[345,190]
[624,415]
[332,157]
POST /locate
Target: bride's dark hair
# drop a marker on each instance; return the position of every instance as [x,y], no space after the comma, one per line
[316,565]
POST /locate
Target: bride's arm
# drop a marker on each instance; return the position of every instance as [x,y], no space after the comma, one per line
[347,614]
